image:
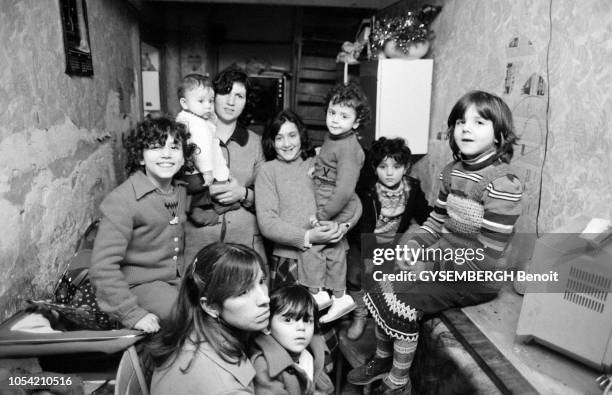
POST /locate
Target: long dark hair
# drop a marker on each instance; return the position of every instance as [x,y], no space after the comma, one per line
[492,108]
[218,272]
[272,129]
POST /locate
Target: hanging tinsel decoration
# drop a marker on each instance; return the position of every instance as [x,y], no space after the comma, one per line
[406,30]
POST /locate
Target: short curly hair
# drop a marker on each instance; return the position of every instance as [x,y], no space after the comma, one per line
[395,149]
[153,131]
[352,96]
[492,108]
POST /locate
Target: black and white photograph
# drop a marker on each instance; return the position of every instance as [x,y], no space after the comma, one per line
[306,197]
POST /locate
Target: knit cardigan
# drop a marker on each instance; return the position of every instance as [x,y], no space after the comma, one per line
[135,244]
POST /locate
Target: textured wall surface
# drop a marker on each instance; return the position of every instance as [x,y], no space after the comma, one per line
[58,136]
[475,42]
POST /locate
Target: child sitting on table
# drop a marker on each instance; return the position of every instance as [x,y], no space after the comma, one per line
[138,252]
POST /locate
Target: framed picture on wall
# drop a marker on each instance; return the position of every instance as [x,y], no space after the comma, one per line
[76,37]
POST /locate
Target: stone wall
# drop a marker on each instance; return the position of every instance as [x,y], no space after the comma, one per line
[58,136]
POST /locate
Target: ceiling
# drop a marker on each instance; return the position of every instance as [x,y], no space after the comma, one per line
[371,4]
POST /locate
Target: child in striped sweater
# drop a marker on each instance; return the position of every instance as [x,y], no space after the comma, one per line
[478,204]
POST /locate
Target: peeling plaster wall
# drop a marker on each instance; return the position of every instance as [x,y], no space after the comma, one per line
[471,51]
[59,136]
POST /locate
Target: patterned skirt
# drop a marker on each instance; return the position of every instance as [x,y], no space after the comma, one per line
[398,309]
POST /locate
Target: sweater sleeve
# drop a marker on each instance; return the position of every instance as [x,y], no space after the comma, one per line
[502,208]
[264,384]
[112,290]
[271,225]
[258,162]
[350,159]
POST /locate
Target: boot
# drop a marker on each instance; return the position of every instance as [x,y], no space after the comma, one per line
[374,369]
[360,316]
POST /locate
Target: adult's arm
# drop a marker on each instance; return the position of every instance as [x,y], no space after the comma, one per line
[249,201]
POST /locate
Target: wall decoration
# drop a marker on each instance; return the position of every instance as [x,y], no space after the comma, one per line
[76,38]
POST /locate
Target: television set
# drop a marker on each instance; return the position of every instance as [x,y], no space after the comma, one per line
[574,314]
[268,95]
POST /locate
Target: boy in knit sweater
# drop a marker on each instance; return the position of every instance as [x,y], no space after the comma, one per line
[335,176]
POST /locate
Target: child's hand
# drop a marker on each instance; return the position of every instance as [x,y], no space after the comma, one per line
[311,171]
[208,178]
[313,221]
[149,323]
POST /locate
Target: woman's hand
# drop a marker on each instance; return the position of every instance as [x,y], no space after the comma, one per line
[149,323]
[342,229]
[229,192]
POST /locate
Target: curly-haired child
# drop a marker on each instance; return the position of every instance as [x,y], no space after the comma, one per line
[336,172]
[138,252]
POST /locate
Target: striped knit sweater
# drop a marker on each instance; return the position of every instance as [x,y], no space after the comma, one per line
[478,204]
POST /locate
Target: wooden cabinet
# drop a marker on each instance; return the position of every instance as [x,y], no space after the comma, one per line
[399,91]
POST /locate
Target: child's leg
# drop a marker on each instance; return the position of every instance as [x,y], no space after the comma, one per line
[335,279]
[157,297]
[354,272]
[403,354]
[201,209]
[384,344]
[347,214]
[323,192]
[311,274]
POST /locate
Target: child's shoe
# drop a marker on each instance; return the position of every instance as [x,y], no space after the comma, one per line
[322,300]
[375,369]
[386,388]
[339,307]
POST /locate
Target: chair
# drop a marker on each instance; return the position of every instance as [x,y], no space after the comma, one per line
[131,378]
